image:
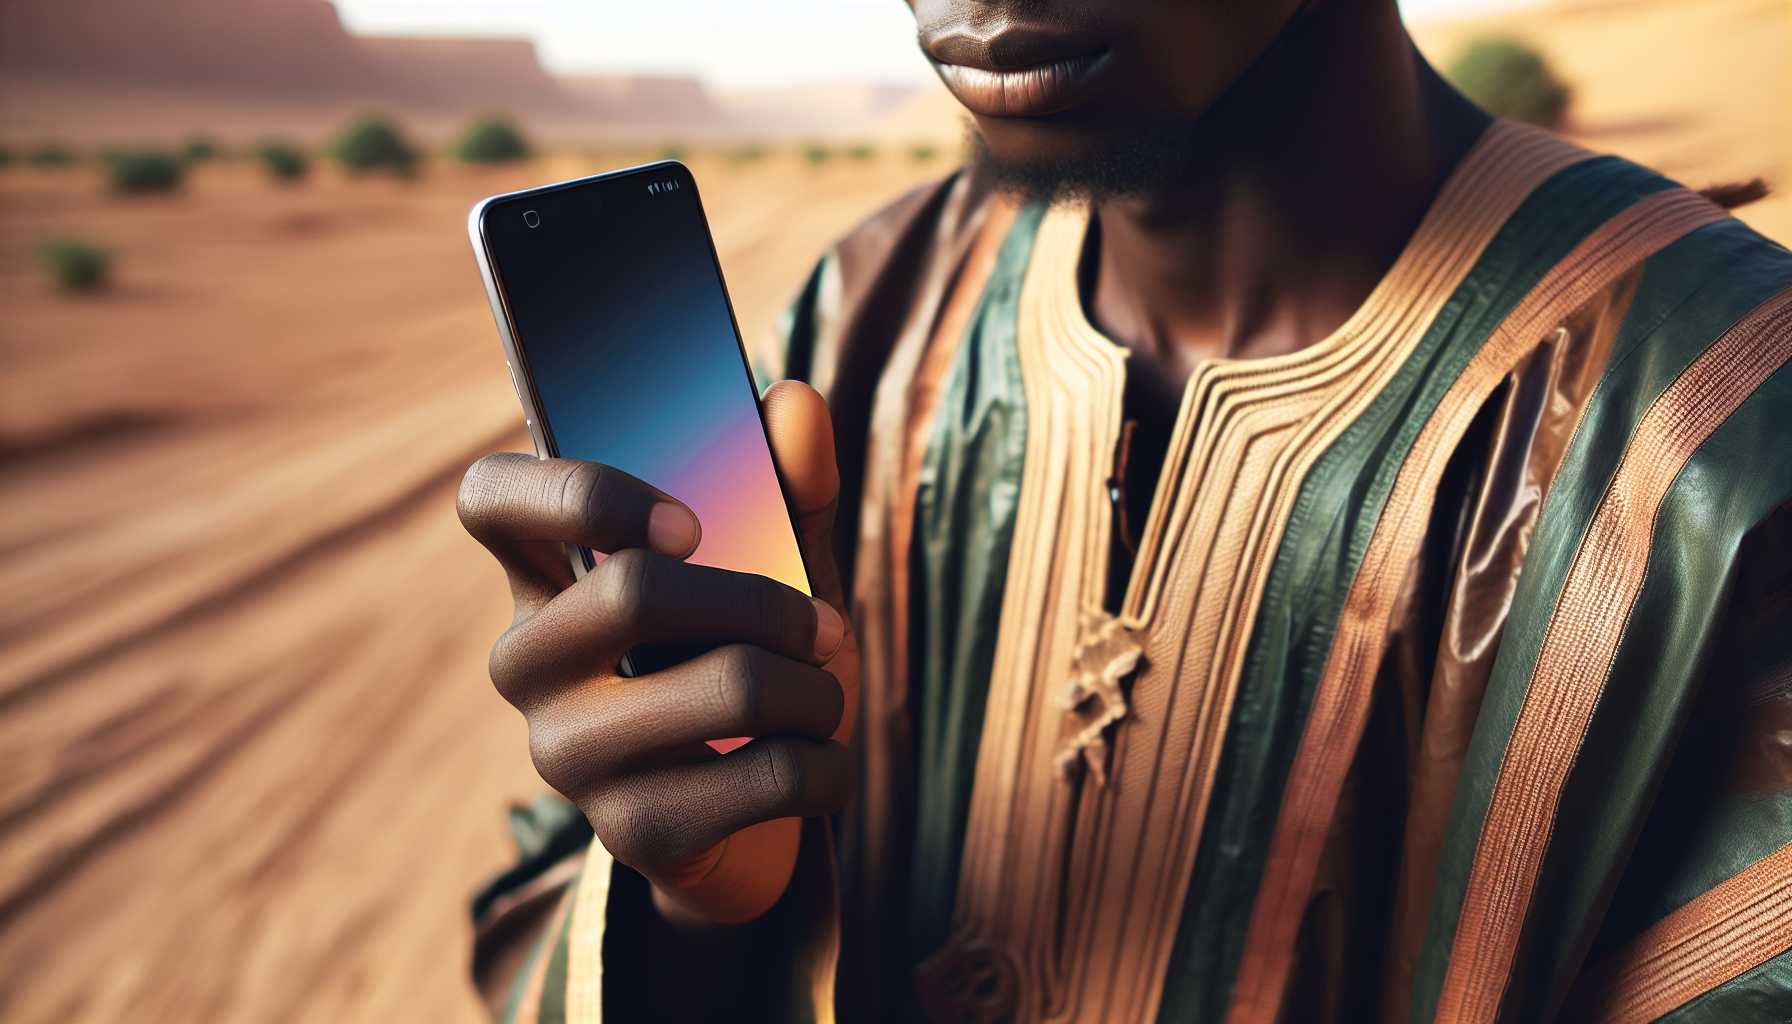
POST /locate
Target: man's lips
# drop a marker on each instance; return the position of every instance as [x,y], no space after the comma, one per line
[1017,71]
[1024,92]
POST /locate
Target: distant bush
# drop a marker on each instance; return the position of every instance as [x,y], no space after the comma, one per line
[144,170]
[746,154]
[817,154]
[672,151]
[374,143]
[52,154]
[861,151]
[6,156]
[923,152]
[75,265]
[1510,79]
[286,163]
[200,148]
[492,140]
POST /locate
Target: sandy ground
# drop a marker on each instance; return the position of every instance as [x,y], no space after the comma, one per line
[1701,90]
[252,765]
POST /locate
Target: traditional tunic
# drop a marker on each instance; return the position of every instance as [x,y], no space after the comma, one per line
[1451,678]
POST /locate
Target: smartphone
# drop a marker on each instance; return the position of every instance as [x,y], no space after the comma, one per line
[623,349]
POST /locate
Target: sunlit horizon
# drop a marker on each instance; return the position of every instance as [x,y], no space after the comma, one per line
[724,42]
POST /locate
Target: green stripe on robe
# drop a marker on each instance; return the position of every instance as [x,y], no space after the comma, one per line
[520,984]
[1667,643]
[969,489]
[1690,293]
[553,989]
[1761,994]
[1334,516]
[553,945]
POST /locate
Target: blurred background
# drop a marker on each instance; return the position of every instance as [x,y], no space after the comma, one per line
[250,763]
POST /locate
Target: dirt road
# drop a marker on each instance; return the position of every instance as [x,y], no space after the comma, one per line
[252,766]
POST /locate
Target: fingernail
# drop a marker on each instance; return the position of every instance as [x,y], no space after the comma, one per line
[672,529]
[830,629]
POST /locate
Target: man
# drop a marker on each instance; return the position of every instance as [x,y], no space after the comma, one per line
[1335,563]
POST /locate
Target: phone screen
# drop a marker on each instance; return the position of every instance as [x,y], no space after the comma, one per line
[623,325]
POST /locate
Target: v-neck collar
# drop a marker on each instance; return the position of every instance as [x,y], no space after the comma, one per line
[1383,319]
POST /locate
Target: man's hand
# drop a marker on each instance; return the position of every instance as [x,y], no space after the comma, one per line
[716,834]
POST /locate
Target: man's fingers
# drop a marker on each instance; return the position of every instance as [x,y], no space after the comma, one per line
[663,820]
[586,734]
[518,505]
[636,597]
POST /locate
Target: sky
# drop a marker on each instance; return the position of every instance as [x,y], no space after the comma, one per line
[728,42]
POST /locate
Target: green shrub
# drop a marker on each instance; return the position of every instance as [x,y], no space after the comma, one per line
[374,143]
[861,151]
[286,163]
[75,265]
[6,156]
[492,140]
[1510,79]
[144,170]
[200,148]
[52,154]
[672,151]
[923,152]
[746,154]
[817,154]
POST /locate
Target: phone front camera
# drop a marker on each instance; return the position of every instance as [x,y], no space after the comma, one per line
[531,218]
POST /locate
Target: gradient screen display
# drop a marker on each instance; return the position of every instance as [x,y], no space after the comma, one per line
[620,314]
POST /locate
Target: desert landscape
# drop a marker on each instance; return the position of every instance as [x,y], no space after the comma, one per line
[253,761]
[252,765]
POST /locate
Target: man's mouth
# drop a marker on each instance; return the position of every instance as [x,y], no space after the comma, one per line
[1016,71]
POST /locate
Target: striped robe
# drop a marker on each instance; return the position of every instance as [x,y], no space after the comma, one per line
[1451,681]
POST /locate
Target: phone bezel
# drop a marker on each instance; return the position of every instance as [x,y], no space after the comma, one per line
[516,360]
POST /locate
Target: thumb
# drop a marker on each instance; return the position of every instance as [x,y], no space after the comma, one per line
[802,438]
[802,434]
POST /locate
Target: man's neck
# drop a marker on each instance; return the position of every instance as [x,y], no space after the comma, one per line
[1327,155]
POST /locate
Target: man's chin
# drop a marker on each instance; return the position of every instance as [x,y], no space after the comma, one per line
[1062,163]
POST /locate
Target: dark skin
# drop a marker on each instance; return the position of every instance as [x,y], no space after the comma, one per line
[716,835]
[1308,141]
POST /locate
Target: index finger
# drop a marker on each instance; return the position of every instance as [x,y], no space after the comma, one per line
[525,509]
